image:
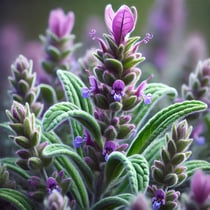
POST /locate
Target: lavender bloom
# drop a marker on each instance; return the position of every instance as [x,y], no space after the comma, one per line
[196,134]
[158,200]
[52,185]
[109,147]
[61,24]
[78,141]
[120,23]
[140,91]
[118,90]
[85,92]
[200,186]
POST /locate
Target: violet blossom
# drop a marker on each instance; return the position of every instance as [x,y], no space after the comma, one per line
[61,24]
[200,186]
[120,23]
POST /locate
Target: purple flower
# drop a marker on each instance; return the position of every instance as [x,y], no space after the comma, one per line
[196,134]
[78,141]
[61,24]
[52,185]
[109,147]
[200,186]
[120,23]
[158,200]
[118,89]
[147,98]
[85,92]
[140,91]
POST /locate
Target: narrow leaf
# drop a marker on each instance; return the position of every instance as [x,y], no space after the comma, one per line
[16,198]
[152,151]
[72,86]
[193,165]
[53,150]
[117,162]
[62,111]
[80,192]
[10,163]
[159,122]
[142,171]
[110,203]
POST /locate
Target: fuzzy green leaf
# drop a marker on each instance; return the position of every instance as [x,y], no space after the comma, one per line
[78,187]
[152,152]
[72,86]
[142,171]
[62,111]
[16,198]
[47,93]
[159,122]
[112,202]
[53,150]
[158,91]
[10,163]
[193,165]
[117,162]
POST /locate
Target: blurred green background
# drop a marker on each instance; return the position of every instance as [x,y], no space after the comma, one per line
[32,15]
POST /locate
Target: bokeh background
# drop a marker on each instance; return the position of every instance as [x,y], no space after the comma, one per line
[22,21]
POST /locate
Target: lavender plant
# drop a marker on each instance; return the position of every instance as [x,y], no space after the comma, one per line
[111,157]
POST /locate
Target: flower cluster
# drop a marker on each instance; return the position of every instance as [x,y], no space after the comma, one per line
[113,82]
[23,82]
[27,137]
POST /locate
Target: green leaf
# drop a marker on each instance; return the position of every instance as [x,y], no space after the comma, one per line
[78,187]
[142,171]
[158,91]
[111,202]
[160,121]
[193,165]
[53,150]
[72,86]
[152,151]
[48,93]
[62,111]
[16,198]
[117,162]
[10,163]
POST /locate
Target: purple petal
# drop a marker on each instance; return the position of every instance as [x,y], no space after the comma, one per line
[117,97]
[123,23]
[54,21]
[109,15]
[200,185]
[147,98]
[67,24]
[85,92]
[78,141]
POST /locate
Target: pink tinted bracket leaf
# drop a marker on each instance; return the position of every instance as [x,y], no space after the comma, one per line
[123,23]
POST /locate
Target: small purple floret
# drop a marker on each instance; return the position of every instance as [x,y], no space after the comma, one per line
[85,92]
[147,98]
[109,147]
[78,141]
[52,185]
[118,90]
[158,200]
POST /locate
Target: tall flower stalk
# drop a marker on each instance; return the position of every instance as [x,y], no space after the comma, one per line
[113,82]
